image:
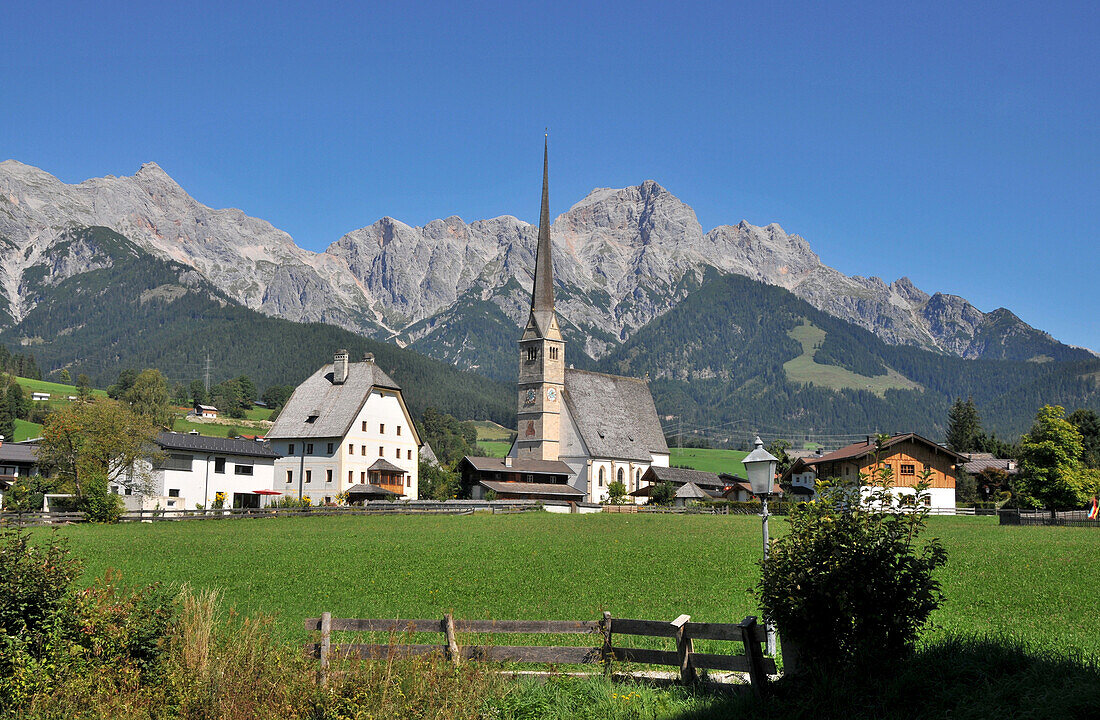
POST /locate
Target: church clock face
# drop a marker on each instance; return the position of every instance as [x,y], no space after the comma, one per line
[551,394]
[530,396]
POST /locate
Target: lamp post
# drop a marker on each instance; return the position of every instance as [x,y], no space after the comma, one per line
[760,467]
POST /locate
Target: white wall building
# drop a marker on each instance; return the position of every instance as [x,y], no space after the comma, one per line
[192,470]
[346,427]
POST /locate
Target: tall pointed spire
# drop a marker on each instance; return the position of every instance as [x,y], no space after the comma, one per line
[542,295]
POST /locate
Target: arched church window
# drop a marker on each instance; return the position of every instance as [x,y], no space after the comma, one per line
[532,353]
[553,353]
[603,476]
[619,475]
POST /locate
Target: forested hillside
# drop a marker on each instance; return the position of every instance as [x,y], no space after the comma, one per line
[137,311]
[729,350]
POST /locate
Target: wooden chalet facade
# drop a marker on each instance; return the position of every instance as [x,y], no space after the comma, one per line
[908,455]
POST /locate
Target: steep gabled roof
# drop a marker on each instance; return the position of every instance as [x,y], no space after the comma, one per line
[525,466]
[320,408]
[381,465]
[615,415]
[867,447]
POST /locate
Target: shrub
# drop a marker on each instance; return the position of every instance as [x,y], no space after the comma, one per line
[850,585]
[616,492]
[34,580]
[99,504]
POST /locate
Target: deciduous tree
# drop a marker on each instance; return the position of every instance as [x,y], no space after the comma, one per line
[1050,462]
[148,396]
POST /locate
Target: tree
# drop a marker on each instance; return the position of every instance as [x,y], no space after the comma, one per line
[248,390]
[148,396]
[125,381]
[93,444]
[198,393]
[1087,423]
[964,426]
[437,482]
[66,378]
[663,493]
[7,419]
[179,394]
[1050,462]
[18,402]
[83,387]
[276,395]
[779,448]
[616,492]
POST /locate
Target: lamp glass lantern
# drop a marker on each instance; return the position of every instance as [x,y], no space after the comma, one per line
[760,467]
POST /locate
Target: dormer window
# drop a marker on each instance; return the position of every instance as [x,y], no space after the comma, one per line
[311,418]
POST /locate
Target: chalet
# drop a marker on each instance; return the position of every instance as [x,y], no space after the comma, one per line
[345,426]
[40,396]
[908,455]
[515,479]
[207,411]
[738,489]
[708,482]
[191,470]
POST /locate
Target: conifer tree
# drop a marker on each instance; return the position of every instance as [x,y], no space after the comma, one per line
[964,426]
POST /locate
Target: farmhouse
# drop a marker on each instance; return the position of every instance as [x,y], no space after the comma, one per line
[17,460]
[512,479]
[345,426]
[192,470]
[604,427]
[708,482]
[908,455]
[207,411]
[40,396]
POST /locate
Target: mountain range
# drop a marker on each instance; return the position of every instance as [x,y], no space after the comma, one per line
[624,260]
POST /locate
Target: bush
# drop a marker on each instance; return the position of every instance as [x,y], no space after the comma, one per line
[34,580]
[849,585]
[99,504]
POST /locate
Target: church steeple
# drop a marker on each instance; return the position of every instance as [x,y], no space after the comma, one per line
[541,351]
[542,294]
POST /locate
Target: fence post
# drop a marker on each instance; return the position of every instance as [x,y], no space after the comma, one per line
[452,641]
[755,657]
[326,643]
[684,648]
[607,654]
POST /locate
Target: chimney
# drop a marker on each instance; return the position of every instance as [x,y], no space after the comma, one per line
[508,461]
[368,357]
[340,367]
[820,451]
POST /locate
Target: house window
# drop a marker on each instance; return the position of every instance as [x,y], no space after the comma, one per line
[290,449]
[219,466]
[364,426]
[381,428]
[351,449]
[908,470]
[927,500]
[351,477]
[242,469]
[603,476]
[328,475]
[363,477]
[174,492]
[409,481]
[309,448]
[329,450]
[398,453]
[289,476]
[363,451]
[381,451]
[409,454]
[309,476]
[398,429]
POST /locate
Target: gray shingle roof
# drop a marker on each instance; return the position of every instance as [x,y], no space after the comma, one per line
[369,491]
[691,491]
[683,476]
[19,452]
[615,415]
[332,407]
[519,465]
[386,466]
[521,488]
[225,446]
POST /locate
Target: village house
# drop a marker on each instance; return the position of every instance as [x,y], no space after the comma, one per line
[710,483]
[207,411]
[191,470]
[908,455]
[17,460]
[346,431]
[603,427]
[539,479]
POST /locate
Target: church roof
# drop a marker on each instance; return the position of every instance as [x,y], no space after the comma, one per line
[320,408]
[542,294]
[615,415]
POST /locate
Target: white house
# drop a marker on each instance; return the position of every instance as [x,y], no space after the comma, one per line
[193,470]
[344,428]
[40,396]
[208,411]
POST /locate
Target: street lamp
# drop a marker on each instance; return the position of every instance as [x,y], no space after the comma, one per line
[760,467]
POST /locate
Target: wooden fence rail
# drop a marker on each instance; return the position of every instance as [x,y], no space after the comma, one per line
[748,633]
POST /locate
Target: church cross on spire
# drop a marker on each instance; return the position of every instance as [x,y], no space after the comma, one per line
[542,295]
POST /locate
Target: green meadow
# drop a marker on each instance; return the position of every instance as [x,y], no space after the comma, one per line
[805,369]
[1035,585]
[709,460]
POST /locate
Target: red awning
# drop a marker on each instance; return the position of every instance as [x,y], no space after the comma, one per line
[266,492]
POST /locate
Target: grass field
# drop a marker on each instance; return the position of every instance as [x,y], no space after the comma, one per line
[1033,584]
[26,430]
[805,369]
[709,460]
[493,439]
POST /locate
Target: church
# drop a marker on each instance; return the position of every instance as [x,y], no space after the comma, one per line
[577,428]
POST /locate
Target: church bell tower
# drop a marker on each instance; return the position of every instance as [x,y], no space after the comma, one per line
[541,351]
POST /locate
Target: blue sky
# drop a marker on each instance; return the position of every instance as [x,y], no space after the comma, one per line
[954,143]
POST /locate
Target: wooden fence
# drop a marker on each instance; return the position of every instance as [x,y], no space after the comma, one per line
[1067,518]
[748,633]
